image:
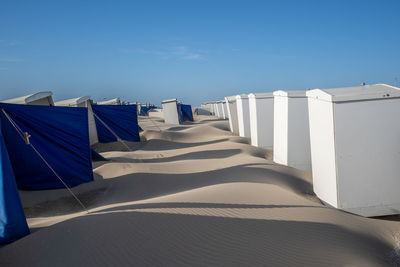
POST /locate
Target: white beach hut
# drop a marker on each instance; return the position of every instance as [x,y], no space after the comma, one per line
[83,101]
[170,111]
[216,110]
[355,148]
[243,114]
[114,101]
[225,109]
[220,109]
[40,99]
[291,129]
[232,114]
[261,108]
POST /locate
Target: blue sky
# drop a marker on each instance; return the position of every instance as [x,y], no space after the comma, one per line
[194,50]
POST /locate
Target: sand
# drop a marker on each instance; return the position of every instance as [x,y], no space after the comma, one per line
[195,195]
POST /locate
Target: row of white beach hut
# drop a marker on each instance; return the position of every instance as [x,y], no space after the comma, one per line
[216,108]
[349,138]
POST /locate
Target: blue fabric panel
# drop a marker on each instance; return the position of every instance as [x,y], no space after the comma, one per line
[97,157]
[180,113]
[60,134]
[145,110]
[122,119]
[12,219]
[185,113]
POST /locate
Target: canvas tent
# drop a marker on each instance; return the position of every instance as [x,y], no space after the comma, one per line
[176,113]
[291,129]
[114,101]
[40,98]
[355,148]
[115,122]
[37,138]
[83,101]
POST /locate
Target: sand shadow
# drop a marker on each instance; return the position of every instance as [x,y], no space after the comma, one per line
[198,155]
[153,239]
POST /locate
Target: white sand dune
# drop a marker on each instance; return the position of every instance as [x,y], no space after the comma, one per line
[194,195]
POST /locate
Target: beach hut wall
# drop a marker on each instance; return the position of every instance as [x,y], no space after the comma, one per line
[261,108]
[291,129]
[355,148]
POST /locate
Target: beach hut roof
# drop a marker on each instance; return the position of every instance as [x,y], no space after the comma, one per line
[261,95]
[242,96]
[292,93]
[169,100]
[28,98]
[110,102]
[72,101]
[355,93]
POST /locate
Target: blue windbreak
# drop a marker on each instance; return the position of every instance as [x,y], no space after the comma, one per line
[185,112]
[144,110]
[60,134]
[12,219]
[97,157]
[121,119]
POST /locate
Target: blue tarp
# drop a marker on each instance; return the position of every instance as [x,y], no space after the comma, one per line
[60,134]
[122,119]
[185,112]
[97,157]
[12,219]
[144,110]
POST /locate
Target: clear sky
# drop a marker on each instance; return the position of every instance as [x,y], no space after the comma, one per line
[194,50]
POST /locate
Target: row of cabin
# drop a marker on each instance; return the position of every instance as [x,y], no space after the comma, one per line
[216,108]
[349,138]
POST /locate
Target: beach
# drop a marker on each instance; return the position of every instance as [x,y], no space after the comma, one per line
[196,195]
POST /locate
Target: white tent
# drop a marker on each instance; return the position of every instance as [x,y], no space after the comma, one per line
[232,114]
[291,129]
[170,111]
[87,103]
[261,107]
[40,99]
[243,114]
[114,101]
[355,148]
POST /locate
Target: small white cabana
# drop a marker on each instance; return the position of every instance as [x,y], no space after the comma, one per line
[243,114]
[87,103]
[114,101]
[232,114]
[40,99]
[291,129]
[170,111]
[225,109]
[220,109]
[355,148]
[261,107]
